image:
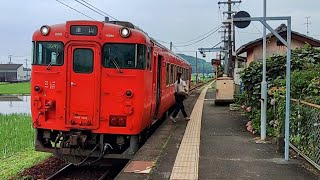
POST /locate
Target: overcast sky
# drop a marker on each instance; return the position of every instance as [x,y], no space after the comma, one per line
[166,20]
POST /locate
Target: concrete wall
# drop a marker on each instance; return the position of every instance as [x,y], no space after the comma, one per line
[255,53]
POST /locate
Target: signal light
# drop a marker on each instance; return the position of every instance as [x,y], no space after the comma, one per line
[45,30]
[125,32]
[118,121]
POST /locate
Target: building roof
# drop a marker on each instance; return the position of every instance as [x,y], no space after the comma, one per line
[9,66]
[282,30]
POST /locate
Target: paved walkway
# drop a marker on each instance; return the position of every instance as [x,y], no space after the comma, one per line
[214,145]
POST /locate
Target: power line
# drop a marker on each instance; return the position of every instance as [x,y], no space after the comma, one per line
[198,36]
[75,10]
[162,41]
[201,38]
[99,10]
[89,8]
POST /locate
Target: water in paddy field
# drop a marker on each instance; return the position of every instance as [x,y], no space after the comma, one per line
[15,104]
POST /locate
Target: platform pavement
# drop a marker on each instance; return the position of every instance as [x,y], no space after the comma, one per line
[227,150]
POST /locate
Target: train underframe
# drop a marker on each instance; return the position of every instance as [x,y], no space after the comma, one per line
[78,146]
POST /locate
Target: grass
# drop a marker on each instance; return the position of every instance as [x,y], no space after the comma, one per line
[15,164]
[16,145]
[16,134]
[15,88]
[200,77]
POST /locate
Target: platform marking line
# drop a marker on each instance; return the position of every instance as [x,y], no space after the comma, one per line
[187,161]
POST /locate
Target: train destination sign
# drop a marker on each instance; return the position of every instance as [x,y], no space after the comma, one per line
[84,30]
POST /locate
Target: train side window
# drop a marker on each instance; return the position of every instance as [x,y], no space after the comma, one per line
[174,73]
[171,74]
[187,74]
[149,58]
[83,61]
[183,74]
[168,74]
[48,53]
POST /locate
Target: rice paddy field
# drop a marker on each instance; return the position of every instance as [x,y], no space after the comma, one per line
[16,145]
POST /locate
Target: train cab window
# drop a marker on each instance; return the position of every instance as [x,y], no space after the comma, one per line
[48,53]
[168,74]
[128,56]
[83,61]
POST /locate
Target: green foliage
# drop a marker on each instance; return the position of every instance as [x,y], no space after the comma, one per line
[15,88]
[305,80]
[13,165]
[16,134]
[202,64]
[16,145]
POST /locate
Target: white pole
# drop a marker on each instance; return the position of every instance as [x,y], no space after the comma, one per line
[288,71]
[264,84]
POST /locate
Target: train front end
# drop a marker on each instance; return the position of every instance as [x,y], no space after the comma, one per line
[84,101]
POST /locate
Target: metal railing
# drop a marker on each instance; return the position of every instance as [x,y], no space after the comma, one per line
[305,131]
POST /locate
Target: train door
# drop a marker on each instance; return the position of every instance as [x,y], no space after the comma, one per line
[83,85]
[158,85]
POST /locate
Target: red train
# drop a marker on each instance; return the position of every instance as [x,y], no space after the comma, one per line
[97,87]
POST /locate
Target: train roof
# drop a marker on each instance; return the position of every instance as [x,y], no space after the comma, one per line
[132,26]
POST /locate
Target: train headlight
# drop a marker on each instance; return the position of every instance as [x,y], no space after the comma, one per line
[45,30]
[125,32]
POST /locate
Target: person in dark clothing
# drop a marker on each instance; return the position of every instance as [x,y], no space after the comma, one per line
[179,99]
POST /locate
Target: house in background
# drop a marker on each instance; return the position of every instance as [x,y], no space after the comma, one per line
[11,72]
[27,73]
[252,51]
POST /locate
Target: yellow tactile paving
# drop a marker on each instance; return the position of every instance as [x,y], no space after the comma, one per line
[187,160]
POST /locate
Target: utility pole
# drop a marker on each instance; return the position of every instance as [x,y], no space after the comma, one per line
[307,23]
[170,46]
[10,56]
[27,68]
[196,67]
[203,72]
[229,28]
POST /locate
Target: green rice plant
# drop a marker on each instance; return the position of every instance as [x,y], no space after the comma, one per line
[15,88]
[16,134]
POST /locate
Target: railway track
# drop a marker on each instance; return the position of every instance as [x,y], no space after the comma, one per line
[104,171]
[101,172]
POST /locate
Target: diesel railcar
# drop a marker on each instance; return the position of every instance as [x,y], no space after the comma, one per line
[96,87]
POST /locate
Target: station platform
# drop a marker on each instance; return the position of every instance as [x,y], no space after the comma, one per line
[214,144]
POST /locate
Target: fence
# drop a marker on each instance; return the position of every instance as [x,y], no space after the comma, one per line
[304,129]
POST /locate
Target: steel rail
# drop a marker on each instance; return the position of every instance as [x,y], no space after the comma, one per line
[59,172]
[104,175]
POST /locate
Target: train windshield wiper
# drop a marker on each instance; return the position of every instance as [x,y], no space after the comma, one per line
[50,64]
[114,61]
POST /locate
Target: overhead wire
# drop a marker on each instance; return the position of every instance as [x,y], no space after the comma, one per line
[219,27]
[90,8]
[99,10]
[194,39]
[75,10]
